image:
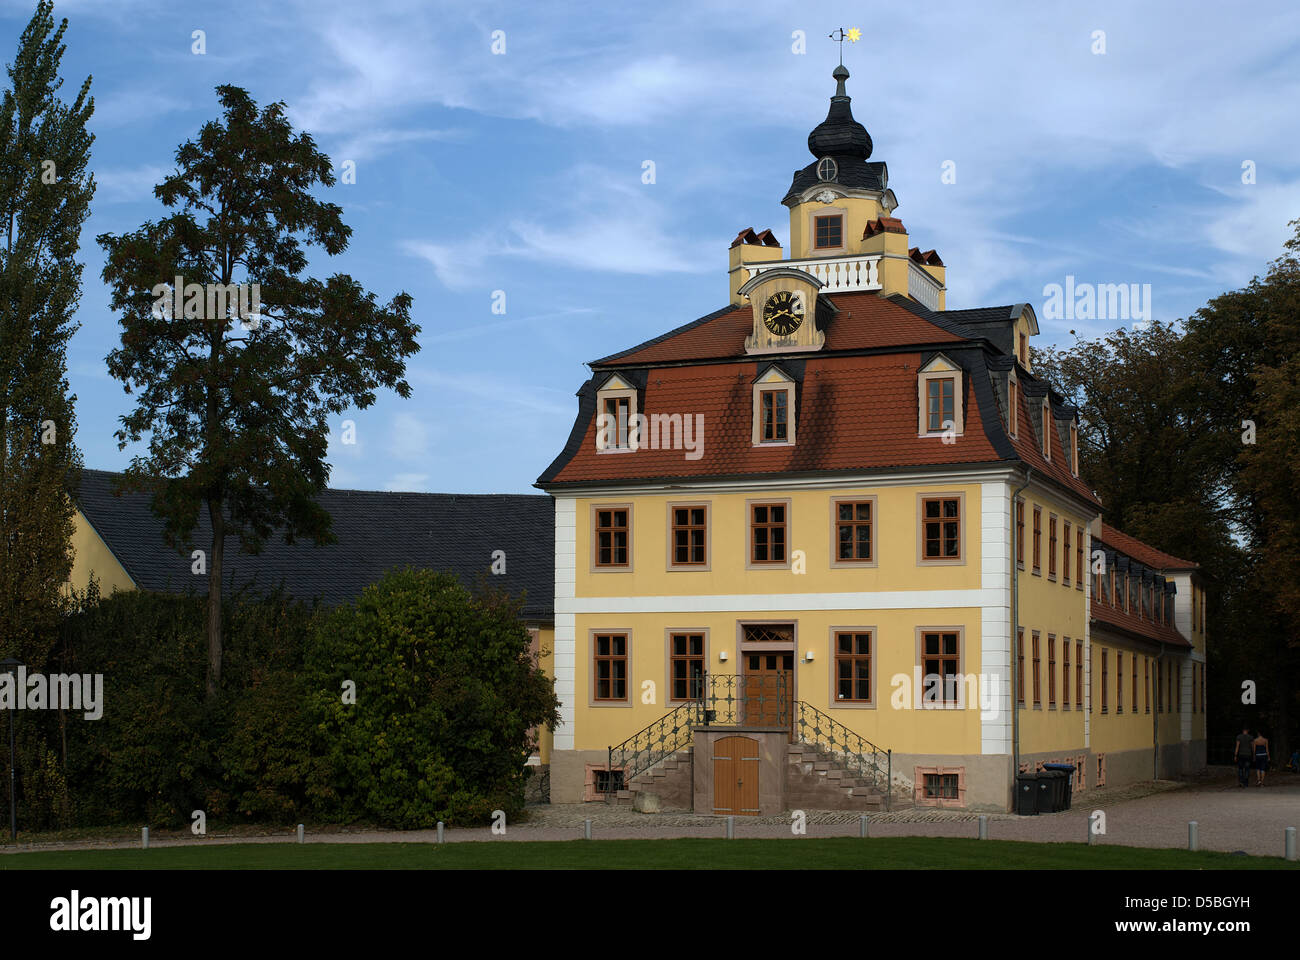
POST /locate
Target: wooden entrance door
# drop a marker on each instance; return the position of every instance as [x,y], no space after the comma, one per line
[735,776]
[769,702]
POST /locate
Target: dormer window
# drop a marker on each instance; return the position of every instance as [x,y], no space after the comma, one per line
[774,421]
[939,398]
[1024,351]
[615,416]
[1074,449]
[1047,428]
[1013,406]
[828,231]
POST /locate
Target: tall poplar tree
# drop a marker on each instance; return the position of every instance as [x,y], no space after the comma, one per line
[236,406]
[45,193]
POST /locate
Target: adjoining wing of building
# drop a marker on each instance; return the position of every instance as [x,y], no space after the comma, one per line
[774,523]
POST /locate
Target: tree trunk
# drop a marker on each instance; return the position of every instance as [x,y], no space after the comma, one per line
[214,597]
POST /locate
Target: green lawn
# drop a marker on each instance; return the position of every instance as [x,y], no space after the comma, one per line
[895,853]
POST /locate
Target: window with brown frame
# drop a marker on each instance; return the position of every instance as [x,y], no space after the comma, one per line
[775,416]
[1097,587]
[1051,671]
[1134,701]
[853,667]
[1119,681]
[1024,351]
[1013,408]
[1146,684]
[612,537]
[687,666]
[941,525]
[1105,677]
[941,786]
[1078,674]
[828,231]
[1047,430]
[1160,687]
[1065,552]
[1020,534]
[1051,548]
[1065,672]
[939,399]
[1175,688]
[853,530]
[617,417]
[1078,558]
[1037,661]
[690,536]
[767,532]
[610,667]
[1038,538]
[940,657]
[1074,449]
[1020,666]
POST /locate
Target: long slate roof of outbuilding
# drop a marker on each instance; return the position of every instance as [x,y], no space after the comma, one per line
[377,531]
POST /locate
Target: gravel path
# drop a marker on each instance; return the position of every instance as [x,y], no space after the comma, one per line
[1152,814]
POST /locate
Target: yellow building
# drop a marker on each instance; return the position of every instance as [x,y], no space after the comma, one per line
[792,538]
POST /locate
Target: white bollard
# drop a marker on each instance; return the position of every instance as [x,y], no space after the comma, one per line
[144,838]
[300,833]
[862,825]
[586,829]
[984,827]
[1288,845]
[440,837]
[731,828]
[1192,843]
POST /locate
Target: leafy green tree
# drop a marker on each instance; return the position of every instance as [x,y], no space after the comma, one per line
[45,192]
[446,693]
[234,399]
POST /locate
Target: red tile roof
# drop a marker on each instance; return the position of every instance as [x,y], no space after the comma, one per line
[1128,622]
[1141,552]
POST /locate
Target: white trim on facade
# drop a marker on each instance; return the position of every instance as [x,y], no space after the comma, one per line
[566,643]
[777,602]
[995,614]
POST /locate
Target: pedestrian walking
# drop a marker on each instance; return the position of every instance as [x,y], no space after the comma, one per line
[1261,758]
[1245,756]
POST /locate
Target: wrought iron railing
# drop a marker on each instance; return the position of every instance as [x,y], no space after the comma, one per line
[859,756]
[722,700]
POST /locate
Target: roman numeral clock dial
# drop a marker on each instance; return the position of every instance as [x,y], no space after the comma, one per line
[783,313]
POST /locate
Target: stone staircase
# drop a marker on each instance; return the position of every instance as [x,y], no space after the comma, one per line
[668,785]
[816,781]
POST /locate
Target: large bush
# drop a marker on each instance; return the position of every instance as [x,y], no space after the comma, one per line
[445,695]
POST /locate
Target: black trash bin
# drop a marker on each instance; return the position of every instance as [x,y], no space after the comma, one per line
[1050,790]
[1026,794]
[1068,770]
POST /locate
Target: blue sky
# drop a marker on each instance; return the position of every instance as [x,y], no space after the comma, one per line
[522,171]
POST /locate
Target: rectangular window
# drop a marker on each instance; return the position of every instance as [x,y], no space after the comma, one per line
[853,530]
[610,667]
[941,526]
[941,786]
[1020,666]
[1078,558]
[1065,672]
[1038,688]
[1038,538]
[1065,552]
[607,781]
[1020,534]
[687,665]
[1146,684]
[1160,688]
[939,411]
[767,532]
[1119,681]
[1078,674]
[1105,677]
[612,538]
[1013,407]
[1051,548]
[616,414]
[940,658]
[1135,684]
[829,231]
[1024,351]
[853,667]
[1051,670]
[775,425]
[690,536]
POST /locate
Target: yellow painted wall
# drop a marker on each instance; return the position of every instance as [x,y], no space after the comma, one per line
[858,213]
[1128,730]
[91,555]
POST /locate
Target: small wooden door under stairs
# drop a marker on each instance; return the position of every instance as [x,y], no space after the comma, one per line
[735,776]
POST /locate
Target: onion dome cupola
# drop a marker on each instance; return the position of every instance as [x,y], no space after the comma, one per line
[842,168]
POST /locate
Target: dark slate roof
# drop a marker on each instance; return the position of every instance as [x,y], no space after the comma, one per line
[376,532]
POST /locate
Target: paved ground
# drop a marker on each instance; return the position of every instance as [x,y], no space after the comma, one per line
[1152,814]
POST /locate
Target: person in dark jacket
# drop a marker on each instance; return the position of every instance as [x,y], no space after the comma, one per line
[1245,756]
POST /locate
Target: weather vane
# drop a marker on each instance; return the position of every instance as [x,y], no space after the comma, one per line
[852,35]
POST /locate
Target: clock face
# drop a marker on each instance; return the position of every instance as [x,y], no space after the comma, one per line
[783,313]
